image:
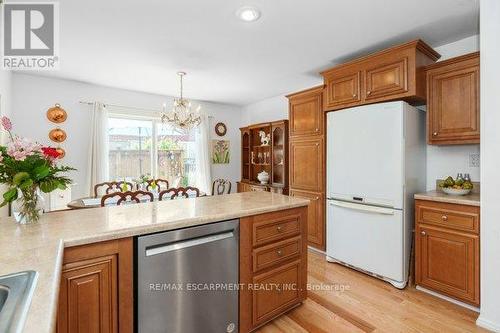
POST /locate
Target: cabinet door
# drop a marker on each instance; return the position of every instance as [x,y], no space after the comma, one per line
[88,296]
[448,262]
[386,80]
[306,164]
[306,115]
[316,223]
[342,89]
[453,100]
[96,290]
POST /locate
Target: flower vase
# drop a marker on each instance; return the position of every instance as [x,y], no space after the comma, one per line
[28,207]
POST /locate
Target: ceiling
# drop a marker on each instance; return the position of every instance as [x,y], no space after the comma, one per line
[140,45]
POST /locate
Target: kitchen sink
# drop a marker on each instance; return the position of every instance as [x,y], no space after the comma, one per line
[16,291]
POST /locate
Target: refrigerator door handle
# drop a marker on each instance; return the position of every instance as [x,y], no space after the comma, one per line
[364,208]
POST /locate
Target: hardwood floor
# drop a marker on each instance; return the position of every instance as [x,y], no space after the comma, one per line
[360,303]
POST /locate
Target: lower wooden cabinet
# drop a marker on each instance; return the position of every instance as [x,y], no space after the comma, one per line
[96,290]
[316,232]
[446,256]
[273,265]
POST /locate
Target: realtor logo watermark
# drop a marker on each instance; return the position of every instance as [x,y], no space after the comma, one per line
[30,36]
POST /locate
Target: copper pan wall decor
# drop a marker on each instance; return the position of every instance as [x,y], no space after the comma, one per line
[61,152]
[57,135]
[57,114]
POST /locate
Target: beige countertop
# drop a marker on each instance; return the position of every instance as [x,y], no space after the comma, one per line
[40,246]
[471,199]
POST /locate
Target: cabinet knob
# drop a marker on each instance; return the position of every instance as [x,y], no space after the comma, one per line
[354,95]
[444,217]
[423,233]
[317,129]
[317,144]
[317,198]
[279,253]
[368,92]
[279,228]
[435,133]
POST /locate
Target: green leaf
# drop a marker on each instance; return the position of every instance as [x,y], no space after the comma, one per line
[41,172]
[20,177]
[10,195]
[49,185]
[26,184]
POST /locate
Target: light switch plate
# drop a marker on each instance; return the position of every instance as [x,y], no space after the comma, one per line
[474,160]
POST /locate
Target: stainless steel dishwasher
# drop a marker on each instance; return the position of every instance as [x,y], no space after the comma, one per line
[187,280]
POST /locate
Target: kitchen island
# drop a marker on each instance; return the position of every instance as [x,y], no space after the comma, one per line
[41,247]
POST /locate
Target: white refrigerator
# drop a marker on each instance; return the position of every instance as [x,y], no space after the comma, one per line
[375,163]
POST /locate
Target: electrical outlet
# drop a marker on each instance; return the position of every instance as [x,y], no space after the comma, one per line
[474,160]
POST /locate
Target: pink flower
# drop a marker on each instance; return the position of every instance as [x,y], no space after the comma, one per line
[1,158]
[20,148]
[6,123]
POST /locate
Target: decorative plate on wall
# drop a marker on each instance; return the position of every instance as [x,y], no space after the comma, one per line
[57,135]
[57,114]
[220,129]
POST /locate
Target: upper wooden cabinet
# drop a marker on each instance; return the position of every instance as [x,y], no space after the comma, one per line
[305,113]
[453,101]
[397,73]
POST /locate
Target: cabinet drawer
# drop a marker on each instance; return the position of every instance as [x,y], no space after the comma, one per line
[275,291]
[276,253]
[267,229]
[457,217]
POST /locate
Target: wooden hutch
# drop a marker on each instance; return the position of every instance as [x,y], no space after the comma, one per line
[257,157]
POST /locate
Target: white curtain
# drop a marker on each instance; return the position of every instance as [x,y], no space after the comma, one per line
[98,171]
[202,137]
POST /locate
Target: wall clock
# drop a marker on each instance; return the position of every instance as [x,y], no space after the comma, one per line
[220,129]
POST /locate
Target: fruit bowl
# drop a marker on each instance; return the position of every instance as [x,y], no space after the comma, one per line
[456,191]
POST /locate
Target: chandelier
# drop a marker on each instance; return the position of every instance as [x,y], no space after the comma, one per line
[182,116]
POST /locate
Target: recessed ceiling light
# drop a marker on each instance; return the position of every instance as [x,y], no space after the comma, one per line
[248,14]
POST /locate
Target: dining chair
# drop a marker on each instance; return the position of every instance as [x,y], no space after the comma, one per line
[111,187]
[179,192]
[160,183]
[128,196]
[219,187]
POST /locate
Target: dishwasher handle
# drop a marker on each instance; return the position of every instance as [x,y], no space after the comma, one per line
[154,250]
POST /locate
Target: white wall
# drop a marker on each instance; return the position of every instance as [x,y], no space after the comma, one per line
[5,110]
[269,109]
[33,95]
[490,165]
[445,161]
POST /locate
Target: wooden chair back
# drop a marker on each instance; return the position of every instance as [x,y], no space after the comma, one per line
[221,186]
[127,196]
[160,184]
[111,187]
[179,192]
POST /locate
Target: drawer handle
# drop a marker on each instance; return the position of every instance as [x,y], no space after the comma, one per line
[444,218]
[317,129]
[279,228]
[353,95]
[423,233]
[368,92]
[279,253]
[435,133]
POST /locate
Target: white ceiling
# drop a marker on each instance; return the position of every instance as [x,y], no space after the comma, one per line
[140,45]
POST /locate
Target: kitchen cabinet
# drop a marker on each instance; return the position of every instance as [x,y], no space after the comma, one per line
[307,149]
[273,265]
[316,227]
[96,289]
[453,101]
[397,73]
[447,249]
[307,164]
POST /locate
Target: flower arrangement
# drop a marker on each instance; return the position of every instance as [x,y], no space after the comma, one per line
[27,167]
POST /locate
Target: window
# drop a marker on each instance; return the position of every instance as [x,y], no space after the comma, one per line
[145,146]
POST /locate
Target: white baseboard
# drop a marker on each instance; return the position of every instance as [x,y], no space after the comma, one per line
[449,299]
[489,325]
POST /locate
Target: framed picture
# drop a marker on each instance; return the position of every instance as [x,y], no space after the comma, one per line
[220,151]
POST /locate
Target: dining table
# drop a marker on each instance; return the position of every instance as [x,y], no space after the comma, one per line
[94,202]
